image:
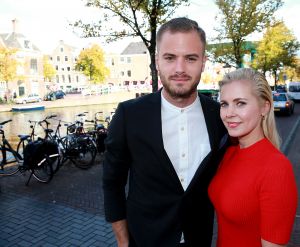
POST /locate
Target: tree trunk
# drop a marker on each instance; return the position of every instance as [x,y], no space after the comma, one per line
[275,79]
[154,73]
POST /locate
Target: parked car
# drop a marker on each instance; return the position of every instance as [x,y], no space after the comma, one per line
[29,99]
[283,103]
[53,95]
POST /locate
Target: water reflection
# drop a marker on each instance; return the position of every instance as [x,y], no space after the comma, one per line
[20,124]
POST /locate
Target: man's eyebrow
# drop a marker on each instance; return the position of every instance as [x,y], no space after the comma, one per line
[168,54]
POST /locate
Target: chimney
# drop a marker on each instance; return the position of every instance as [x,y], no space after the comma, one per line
[15,24]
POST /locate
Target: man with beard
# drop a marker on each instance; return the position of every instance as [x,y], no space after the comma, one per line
[169,143]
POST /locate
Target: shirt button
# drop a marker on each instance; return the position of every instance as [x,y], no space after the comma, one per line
[182,128]
[182,110]
[183,155]
[181,180]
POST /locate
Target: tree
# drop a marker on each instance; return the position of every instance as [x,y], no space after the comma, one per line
[278,48]
[49,71]
[292,73]
[238,19]
[92,64]
[137,18]
[8,65]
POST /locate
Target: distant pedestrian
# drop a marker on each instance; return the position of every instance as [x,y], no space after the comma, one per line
[254,191]
[168,143]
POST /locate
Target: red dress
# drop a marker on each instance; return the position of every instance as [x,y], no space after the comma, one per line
[255,196]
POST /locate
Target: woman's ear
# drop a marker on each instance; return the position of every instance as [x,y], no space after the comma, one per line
[266,108]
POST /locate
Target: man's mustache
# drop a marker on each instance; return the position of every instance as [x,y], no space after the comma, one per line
[180,77]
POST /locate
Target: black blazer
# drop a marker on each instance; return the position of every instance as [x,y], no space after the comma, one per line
[156,207]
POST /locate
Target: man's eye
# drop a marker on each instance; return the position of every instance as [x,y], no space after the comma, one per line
[169,58]
[191,59]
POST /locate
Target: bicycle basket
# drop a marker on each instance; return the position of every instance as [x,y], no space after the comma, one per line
[35,152]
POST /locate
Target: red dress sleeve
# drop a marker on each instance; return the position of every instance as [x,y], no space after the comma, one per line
[278,201]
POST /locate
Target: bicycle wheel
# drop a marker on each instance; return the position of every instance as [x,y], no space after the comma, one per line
[8,162]
[21,146]
[84,153]
[43,171]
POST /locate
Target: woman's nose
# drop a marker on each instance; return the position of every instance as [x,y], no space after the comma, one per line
[230,111]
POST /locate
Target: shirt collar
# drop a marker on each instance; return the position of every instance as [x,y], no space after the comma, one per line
[166,104]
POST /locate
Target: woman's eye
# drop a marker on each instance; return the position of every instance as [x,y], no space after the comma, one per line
[223,104]
[241,103]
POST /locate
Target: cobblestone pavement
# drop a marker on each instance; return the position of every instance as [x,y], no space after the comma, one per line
[69,210]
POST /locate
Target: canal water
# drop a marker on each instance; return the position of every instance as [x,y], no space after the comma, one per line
[20,124]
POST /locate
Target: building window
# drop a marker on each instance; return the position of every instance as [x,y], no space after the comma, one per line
[51,58]
[66,58]
[58,58]
[129,73]
[68,68]
[112,62]
[69,77]
[63,78]
[57,78]
[128,59]
[56,67]
[77,78]
[122,73]
[134,82]
[61,49]
[33,65]
[122,59]
[62,68]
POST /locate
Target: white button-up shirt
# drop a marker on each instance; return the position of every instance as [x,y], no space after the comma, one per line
[185,138]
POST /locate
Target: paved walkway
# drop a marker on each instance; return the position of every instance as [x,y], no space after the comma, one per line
[69,210]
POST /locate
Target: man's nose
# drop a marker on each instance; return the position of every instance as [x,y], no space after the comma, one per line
[180,65]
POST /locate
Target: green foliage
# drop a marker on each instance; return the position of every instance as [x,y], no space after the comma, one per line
[8,65]
[237,20]
[137,18]
[49,71]
[293,73]
[92,64]
[278,48]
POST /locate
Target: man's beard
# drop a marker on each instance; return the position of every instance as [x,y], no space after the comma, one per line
[175,92]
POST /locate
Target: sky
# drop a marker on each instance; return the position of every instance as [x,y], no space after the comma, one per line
[45,22]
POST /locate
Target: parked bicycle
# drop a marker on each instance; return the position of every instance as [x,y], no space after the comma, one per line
[77,146]
[99,132]
[38,158]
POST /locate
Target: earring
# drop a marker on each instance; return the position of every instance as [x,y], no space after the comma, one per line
[263,116]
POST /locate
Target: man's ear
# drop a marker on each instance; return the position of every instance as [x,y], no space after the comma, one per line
[156,62]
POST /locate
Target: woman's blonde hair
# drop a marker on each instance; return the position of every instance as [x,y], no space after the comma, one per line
[264,93]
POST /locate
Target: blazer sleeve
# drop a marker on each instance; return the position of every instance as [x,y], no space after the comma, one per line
[115,168]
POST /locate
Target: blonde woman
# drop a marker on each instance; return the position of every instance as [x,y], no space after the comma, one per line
[254,191]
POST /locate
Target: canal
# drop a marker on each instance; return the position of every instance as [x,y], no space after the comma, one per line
[20,120]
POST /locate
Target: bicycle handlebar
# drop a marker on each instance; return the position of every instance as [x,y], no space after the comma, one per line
[5,122]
